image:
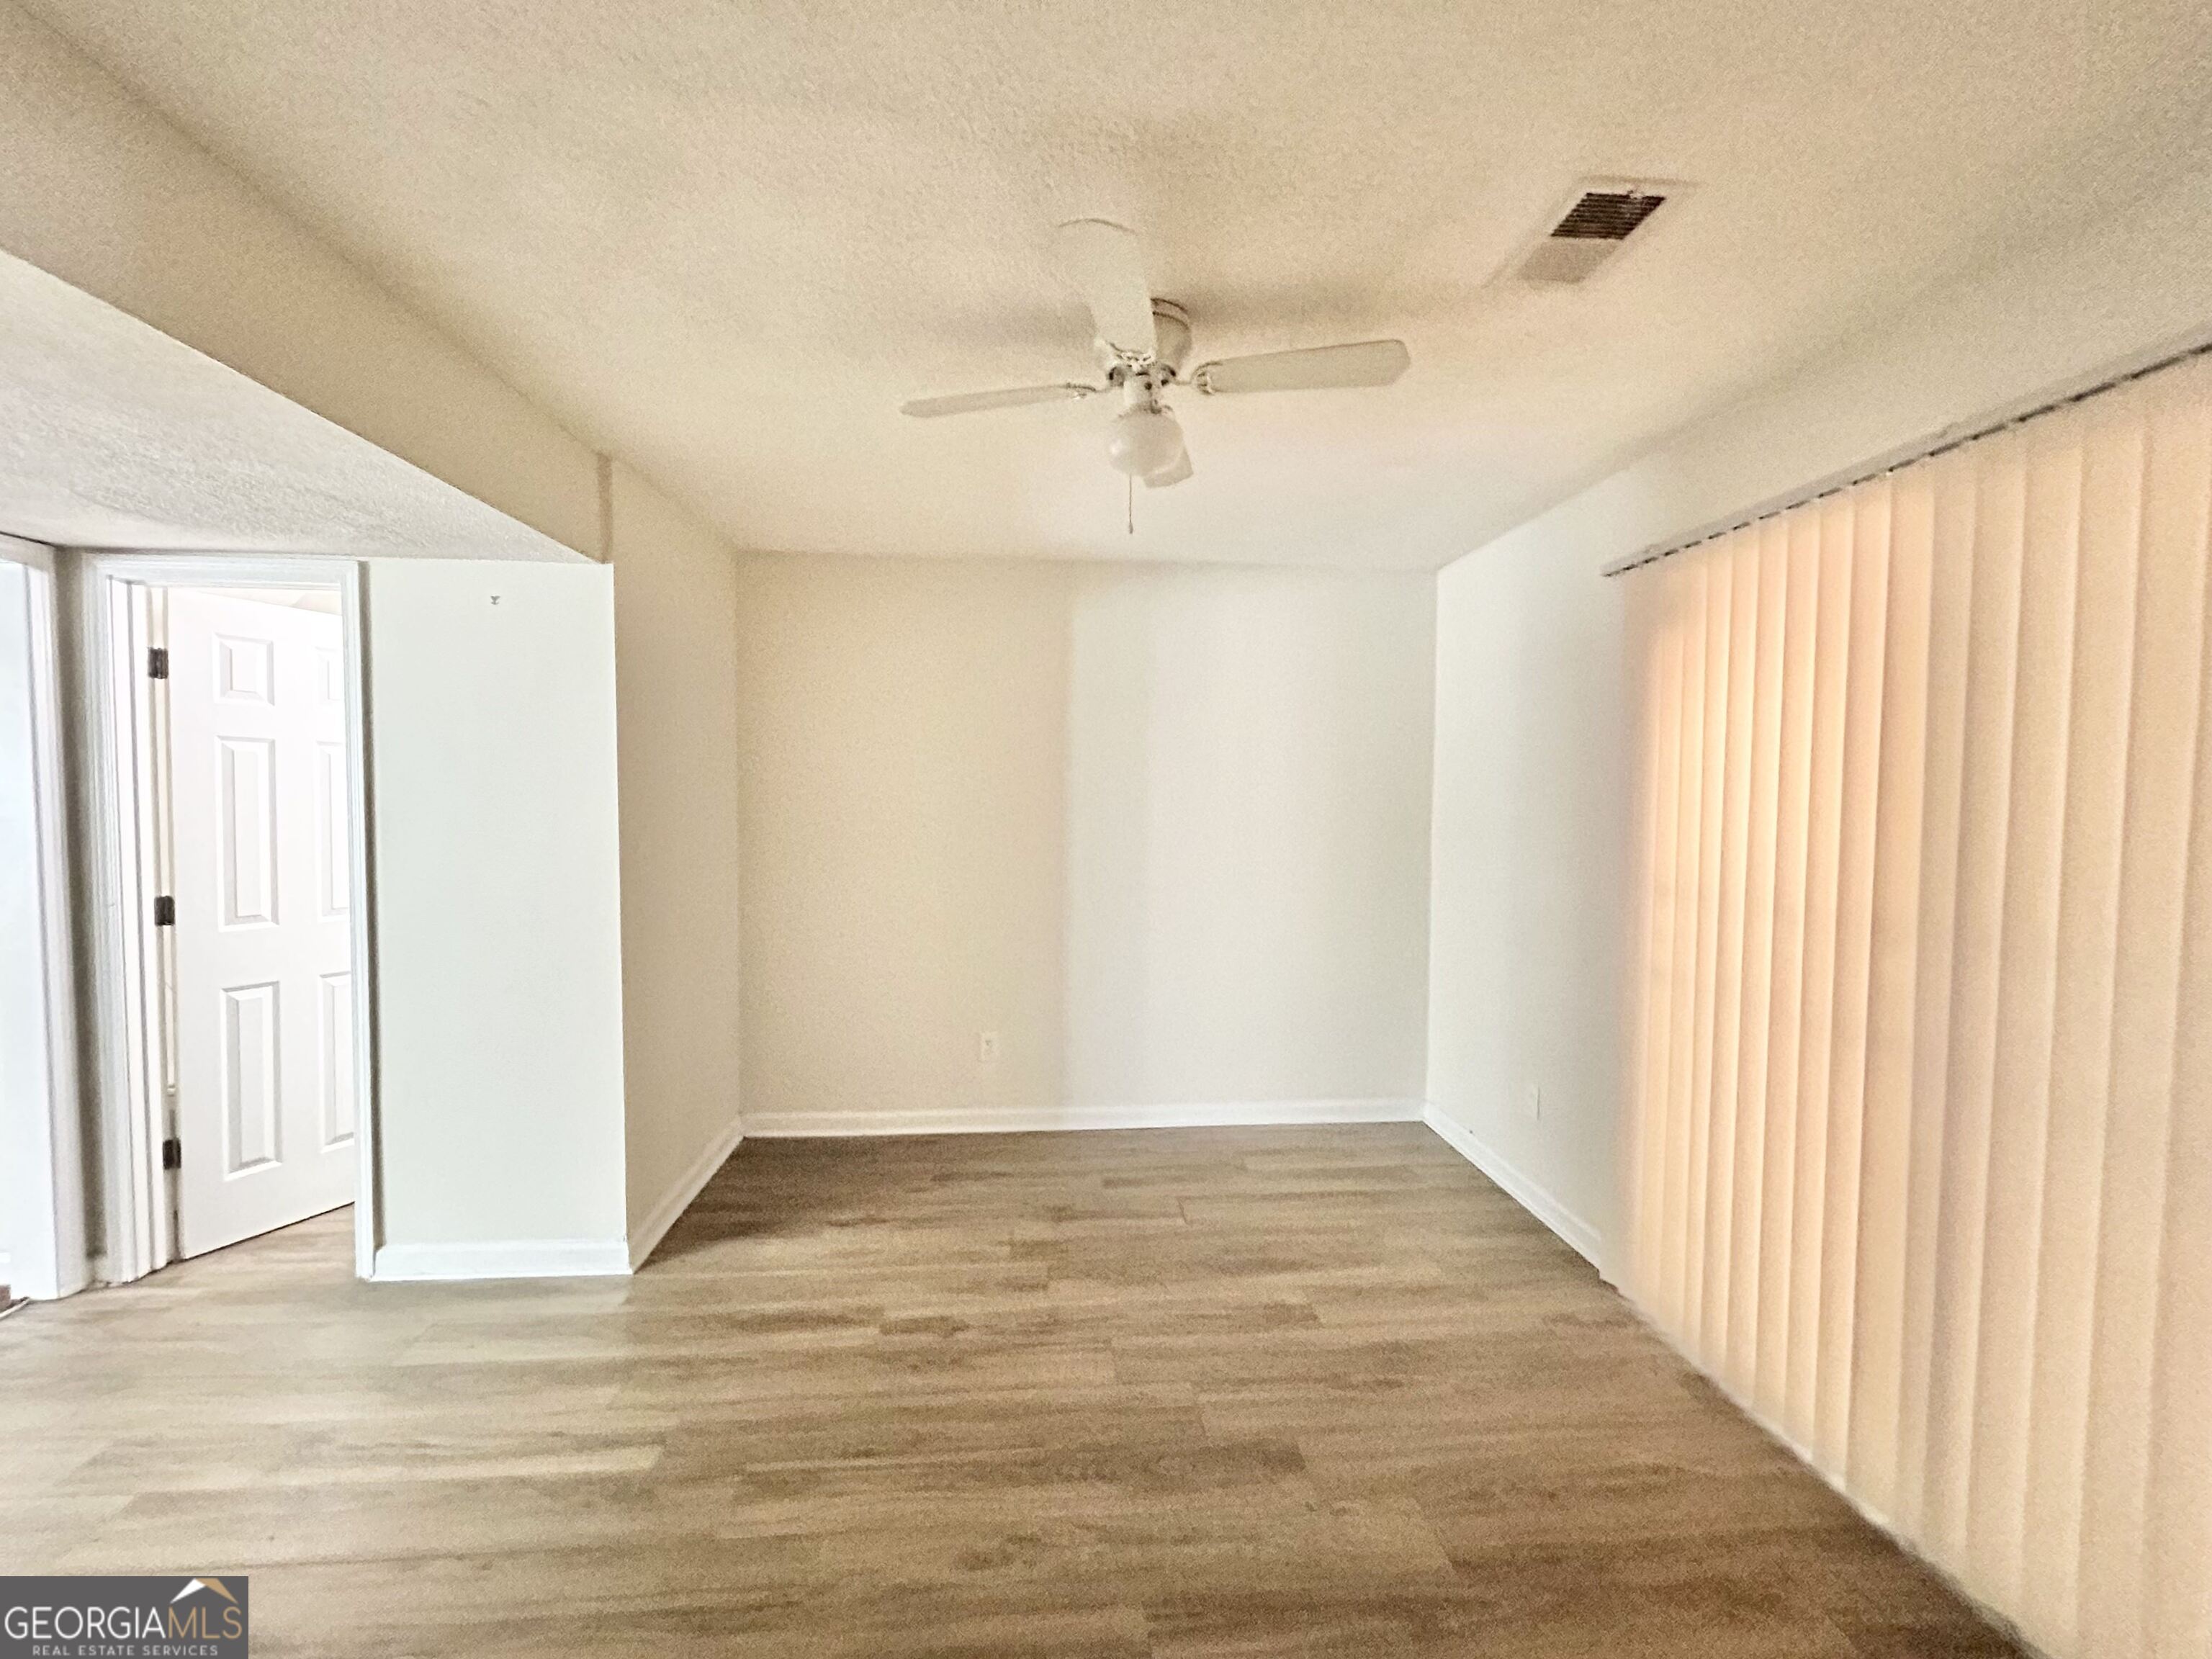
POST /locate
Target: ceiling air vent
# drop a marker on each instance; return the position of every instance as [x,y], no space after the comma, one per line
[1603,215]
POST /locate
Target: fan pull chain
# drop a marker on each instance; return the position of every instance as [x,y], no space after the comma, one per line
[1133,503]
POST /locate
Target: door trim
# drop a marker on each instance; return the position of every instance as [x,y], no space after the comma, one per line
[43,1246]
[124,1069]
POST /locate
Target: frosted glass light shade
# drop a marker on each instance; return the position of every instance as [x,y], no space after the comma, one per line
[1146,441]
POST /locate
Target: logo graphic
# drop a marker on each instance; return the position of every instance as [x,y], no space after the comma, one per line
[123,1618]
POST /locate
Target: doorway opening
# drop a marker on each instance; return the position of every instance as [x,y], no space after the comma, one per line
[230,960]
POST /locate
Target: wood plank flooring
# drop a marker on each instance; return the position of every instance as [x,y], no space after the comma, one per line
[1172,1395]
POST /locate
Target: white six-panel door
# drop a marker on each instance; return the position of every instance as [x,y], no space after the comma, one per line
[264,997]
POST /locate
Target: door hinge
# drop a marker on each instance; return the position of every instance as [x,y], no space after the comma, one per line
[165,911]
[172,1153]
[157,662]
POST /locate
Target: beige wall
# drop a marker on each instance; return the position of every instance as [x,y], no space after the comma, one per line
[1163,831]
[676,701]
[498,917]
[1530,769]
[102,191]
[505,1025]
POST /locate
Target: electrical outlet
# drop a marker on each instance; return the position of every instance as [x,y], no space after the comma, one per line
[1533,1103]
[986,1047]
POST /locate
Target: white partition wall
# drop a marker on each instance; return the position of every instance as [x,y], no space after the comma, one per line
[676,646]
[1922,1024]
[498,919]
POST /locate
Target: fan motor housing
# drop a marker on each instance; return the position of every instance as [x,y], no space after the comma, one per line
[1171,333]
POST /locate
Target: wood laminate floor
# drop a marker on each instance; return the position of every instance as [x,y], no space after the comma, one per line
[1171,1394]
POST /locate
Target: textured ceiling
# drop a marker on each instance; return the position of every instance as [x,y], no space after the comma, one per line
[726,238]
[113,435]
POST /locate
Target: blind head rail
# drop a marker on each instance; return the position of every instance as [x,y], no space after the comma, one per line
[1923,449]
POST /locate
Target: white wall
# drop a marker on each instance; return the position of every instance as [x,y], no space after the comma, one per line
[1530,790]
[1525,872]
[1245,873]
[492,789]
[1163,831]
[676,685]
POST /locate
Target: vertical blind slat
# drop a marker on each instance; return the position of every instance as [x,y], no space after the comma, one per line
[2026,973]
[1659,648]
[1858,803]
[1831,670]
[1741,1369]
[1801,576]
[1992,660]
[1885,1126]
[1712,776]
[1728,1012]
[2081,1047]
[1685,602]
[1950,618]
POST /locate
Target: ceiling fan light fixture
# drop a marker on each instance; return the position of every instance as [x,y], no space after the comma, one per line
[1146,443]
[1139,341]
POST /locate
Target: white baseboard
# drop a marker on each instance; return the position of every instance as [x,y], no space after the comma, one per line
[524,1258]
[1024,1120]
[653,1226]
[1571,1227]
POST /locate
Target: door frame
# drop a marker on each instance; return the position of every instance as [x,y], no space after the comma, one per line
[40,1123]
[123,976]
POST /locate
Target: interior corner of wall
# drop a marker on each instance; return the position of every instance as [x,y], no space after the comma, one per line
[603,476]
[1576,1231]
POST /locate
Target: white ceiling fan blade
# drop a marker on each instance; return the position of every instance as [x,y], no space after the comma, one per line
[965,403]
[1173,475]
[1367,362]
[1102,263]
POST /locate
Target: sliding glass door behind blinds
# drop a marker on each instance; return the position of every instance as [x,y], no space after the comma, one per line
[1921,1021]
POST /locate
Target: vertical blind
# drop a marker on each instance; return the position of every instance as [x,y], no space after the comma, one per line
[1921,1163]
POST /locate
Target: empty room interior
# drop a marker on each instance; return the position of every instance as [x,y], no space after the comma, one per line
[1159,830]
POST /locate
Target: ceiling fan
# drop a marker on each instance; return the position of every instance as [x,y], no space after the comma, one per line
[1141,344]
